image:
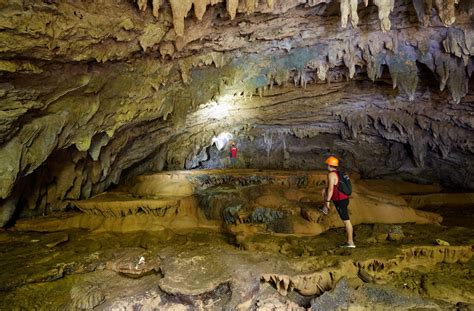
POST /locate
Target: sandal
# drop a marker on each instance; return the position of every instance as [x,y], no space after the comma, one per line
[323,210]
[348,246]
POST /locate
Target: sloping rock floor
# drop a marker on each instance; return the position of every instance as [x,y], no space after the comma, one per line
[206,270]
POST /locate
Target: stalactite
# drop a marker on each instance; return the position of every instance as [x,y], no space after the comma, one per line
[455,43]
[452,73]
[231,6]
[156,7]
[270,4]
[200,8]
[446,11]
[349,10]
[180,9]
[142,4]
[349,62]
[423,10]
[268,140]
[385,8]
[250,6]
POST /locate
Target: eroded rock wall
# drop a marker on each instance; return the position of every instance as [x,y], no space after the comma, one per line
[94,92]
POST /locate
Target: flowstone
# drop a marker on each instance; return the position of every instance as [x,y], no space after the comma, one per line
[203,274]
[202,269]
[86,297]
[242,203]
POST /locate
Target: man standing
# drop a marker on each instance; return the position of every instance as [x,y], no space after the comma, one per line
[233,155]
[340,199]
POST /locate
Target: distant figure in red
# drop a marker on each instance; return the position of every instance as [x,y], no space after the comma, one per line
[233,155]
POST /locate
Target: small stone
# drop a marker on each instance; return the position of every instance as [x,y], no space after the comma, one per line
[371,240]
[365,276]
[133,263]
[442,242]
[395,237]
[60,240]
[395,233]
[381,237]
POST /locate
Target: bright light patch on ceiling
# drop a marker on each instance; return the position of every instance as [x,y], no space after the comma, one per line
[219,108]
[222,139]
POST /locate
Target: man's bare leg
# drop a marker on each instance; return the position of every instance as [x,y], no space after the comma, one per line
[349,232]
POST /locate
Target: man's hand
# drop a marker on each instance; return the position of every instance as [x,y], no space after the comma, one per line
[328,205]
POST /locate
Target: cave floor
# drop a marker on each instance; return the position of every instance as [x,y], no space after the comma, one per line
[204,269]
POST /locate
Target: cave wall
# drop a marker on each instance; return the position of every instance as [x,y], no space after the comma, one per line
[94,93]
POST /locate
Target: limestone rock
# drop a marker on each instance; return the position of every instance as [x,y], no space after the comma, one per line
[395,233]
[336,299]
[203,275]
[62,239]
[442,242]
[86,296]
[385,8]
[349,11]
[275,304]
[134,263]
[7,208]
[87,103]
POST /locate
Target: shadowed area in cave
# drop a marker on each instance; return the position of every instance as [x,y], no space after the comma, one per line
[119,187]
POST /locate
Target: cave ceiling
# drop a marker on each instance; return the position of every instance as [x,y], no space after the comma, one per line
[93,92]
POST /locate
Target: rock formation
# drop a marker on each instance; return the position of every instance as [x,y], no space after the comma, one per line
[200,269]
[95,93]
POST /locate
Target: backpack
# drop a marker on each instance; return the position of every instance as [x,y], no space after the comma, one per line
[344,185]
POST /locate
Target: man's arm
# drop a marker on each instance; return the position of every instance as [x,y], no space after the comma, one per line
[331,184]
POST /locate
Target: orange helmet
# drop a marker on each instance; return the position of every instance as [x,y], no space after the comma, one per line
[333,161]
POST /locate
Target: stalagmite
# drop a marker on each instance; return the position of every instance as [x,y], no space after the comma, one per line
[385,8]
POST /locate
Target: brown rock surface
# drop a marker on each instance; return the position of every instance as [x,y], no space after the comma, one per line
[200,269]
[244,203]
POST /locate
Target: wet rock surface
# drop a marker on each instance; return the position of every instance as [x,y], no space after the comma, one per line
[86,297]
[251,241]
[204,269]
[248,202]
